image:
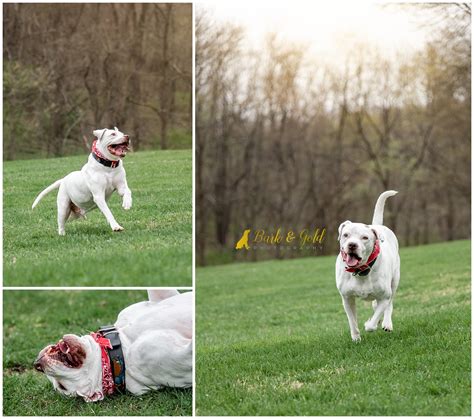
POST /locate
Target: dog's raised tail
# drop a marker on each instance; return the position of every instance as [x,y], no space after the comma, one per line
[379,206]
[50,188]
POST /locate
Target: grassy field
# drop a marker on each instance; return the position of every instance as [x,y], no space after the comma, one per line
[155,248]
[273,339]
[33,319]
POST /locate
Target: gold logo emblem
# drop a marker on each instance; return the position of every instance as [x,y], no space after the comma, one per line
[243,241]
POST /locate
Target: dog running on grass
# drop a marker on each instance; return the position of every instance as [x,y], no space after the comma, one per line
[91,187]
[368,267]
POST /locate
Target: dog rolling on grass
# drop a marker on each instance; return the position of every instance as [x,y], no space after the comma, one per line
[149,347]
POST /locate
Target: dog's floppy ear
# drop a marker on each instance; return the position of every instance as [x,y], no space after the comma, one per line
[341,227]
[99,133]
[378,235]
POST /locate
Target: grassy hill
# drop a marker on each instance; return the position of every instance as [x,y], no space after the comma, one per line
[155,248]
[34,319]
[273,339]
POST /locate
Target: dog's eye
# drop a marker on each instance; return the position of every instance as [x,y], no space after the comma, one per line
[365,238]
[113,134]
[345,235]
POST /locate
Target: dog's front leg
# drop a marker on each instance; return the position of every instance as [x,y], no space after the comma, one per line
[350,308]
[371,324]
[124,191]
[99,200]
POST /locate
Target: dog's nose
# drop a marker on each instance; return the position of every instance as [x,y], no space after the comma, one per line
[352,246]
[37,365]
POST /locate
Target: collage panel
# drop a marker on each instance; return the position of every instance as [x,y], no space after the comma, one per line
[333,209]
[58,362]
[92,91]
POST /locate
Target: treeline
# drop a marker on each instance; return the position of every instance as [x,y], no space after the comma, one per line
[284,140]
[72,68]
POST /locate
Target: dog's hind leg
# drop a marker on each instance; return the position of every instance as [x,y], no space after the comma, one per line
[387,317]
[76,212]
[374,307]
[387,324]
[160,295]
[372,323]
[64,210]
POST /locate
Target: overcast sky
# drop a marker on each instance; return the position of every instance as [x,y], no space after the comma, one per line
[327,28]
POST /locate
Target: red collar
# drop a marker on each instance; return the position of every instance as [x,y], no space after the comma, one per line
[108,386]
[370,261]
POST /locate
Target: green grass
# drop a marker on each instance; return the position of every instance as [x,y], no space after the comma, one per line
[33,319]
[273,339]
[155,248]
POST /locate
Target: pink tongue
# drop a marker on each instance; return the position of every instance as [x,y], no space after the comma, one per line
[120,150]
[352,261]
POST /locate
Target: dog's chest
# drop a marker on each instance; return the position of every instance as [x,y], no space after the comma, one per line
[105,178]
[92,178]
[110,181]
[363,287]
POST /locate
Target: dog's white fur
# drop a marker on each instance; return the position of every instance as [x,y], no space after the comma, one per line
[156,337]
[382,281]
[91,187]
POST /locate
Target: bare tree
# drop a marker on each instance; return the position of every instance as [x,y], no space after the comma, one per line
[286,142]
[128,65]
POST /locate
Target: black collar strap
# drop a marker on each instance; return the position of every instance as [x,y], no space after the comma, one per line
[366,271]
[105,162]
[117,361]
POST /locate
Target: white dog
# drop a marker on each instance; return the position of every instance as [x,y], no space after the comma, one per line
[82,191]
[368,266]
[150,348]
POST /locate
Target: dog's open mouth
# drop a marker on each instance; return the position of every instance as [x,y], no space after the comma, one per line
[351,259]
[55,354]
[120,149]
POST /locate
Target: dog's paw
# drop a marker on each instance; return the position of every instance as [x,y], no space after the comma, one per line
[117,228]
[62,232]
[388,327]
[369,327]
[356,338]
[127,204]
